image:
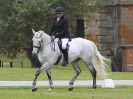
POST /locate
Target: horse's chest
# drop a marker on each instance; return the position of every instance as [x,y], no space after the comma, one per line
[43,57]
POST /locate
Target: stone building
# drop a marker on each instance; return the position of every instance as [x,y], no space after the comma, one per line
[112,31]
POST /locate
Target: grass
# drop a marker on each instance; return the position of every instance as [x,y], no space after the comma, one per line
[120,92]
[16,73]
[60,73]
[17,62]
[57,74]
[26,63]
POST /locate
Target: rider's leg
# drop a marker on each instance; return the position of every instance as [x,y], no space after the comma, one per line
[65,53]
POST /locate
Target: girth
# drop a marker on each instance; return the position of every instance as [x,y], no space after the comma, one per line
[61,50]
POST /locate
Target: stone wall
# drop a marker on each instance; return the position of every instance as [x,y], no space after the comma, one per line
[112,26]
[126,26]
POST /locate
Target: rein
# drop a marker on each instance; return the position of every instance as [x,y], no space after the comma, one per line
[52,40]
[36,47]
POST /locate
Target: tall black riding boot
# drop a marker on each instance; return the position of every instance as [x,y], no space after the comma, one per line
[65,53]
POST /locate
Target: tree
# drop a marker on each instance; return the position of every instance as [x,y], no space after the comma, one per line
[17,20]
[80,11]
[8,26]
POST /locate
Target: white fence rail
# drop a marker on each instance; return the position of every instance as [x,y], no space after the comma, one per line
[63,83]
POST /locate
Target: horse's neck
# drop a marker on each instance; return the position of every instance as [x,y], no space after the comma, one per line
[46,40]
[46,48]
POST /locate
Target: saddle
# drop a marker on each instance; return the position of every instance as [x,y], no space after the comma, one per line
[61,49]
[60,45]
[71,47]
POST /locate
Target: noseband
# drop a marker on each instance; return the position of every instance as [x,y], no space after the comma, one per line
[38,47]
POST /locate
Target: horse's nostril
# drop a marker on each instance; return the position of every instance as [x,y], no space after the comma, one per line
[34,55]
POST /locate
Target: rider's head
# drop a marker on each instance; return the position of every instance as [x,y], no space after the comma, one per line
[59,11]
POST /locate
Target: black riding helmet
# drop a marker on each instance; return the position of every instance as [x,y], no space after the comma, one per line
[59,9]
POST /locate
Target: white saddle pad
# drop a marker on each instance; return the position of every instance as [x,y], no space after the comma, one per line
[72,48]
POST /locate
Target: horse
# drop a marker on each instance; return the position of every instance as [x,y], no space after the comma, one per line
[48,52]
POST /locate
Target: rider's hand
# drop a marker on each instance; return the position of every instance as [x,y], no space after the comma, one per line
[56,35]
[52,37]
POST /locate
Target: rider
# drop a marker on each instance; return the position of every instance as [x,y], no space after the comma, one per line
[59,29]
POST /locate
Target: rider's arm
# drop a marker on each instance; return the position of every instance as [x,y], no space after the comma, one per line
[64,30]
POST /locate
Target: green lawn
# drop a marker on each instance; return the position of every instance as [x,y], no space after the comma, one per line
[120,92]
[57,74]
[60,73]
[17,62]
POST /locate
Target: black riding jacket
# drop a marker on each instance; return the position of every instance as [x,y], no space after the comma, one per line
[60,29]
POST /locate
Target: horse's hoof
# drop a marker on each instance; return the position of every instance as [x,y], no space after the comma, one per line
[34,89]
[92,90]
[49,90]
[70,89]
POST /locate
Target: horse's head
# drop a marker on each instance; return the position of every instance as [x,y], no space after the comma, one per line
[37,41]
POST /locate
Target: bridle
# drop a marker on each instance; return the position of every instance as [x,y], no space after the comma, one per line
[39,47]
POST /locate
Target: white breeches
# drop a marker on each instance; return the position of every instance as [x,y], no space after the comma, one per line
[64,42]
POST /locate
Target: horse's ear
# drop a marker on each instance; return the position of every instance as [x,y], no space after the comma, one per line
[33,31]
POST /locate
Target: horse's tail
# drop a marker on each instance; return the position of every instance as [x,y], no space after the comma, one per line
[99,63]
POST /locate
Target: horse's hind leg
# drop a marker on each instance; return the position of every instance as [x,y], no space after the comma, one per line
[93,73]
[77,72]
[48,72]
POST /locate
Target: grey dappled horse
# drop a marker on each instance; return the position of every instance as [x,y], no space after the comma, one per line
[48,52]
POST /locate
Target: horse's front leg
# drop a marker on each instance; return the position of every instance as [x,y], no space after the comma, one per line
[43,68]
[35,79]
[50,80]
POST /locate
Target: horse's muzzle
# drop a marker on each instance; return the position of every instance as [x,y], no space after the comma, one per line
[34,54]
